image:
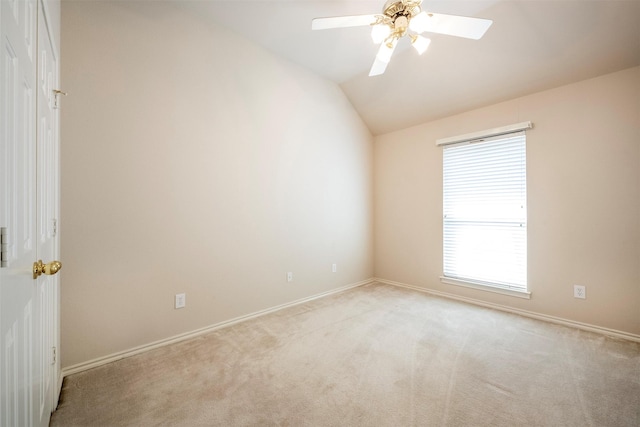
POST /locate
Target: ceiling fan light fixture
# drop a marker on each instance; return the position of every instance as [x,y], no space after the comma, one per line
[419,22]
[420,44]
[402,18]
[380,32]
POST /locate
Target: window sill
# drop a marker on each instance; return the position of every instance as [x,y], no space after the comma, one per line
[484,287]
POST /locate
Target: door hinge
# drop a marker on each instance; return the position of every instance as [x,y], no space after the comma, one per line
[54,355]
[54,227]
[4,247]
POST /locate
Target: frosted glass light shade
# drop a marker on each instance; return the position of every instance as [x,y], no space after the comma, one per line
[419,22]
[421,44]
[379,33]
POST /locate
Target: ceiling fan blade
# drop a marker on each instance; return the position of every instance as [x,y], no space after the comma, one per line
[342,21]
[382,58]
[460,26]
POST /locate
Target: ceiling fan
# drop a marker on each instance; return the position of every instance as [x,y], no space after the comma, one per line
[401,18]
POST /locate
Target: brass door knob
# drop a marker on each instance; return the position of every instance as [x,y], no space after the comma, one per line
[49,269]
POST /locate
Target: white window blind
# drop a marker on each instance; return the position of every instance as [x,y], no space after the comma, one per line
[485,212]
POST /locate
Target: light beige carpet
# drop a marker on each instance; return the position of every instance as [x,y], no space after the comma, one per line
[376,355]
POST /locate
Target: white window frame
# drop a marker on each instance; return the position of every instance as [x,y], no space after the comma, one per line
[517,289]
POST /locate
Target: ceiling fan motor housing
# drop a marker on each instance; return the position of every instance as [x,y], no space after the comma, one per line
[397,14]
[395,8]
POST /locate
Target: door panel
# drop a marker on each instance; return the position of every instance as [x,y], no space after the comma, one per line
[28,207]
[18,210]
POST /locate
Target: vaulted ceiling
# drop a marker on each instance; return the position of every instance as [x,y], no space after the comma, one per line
[532,45]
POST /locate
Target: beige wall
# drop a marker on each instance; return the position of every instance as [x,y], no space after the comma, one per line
[194,161]
[583,165]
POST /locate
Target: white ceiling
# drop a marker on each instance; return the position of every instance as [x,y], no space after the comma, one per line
[532,45]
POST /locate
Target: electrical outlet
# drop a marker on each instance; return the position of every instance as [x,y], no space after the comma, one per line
[181,300]
[289,277]
[579,291]
[334,267]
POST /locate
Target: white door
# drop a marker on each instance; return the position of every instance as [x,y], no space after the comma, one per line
[28,208]
[47,191]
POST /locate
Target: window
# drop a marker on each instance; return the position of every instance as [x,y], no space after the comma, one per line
[485,212]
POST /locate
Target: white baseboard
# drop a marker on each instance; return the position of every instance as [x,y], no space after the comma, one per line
[552,319]
[74,369]
[188,335]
